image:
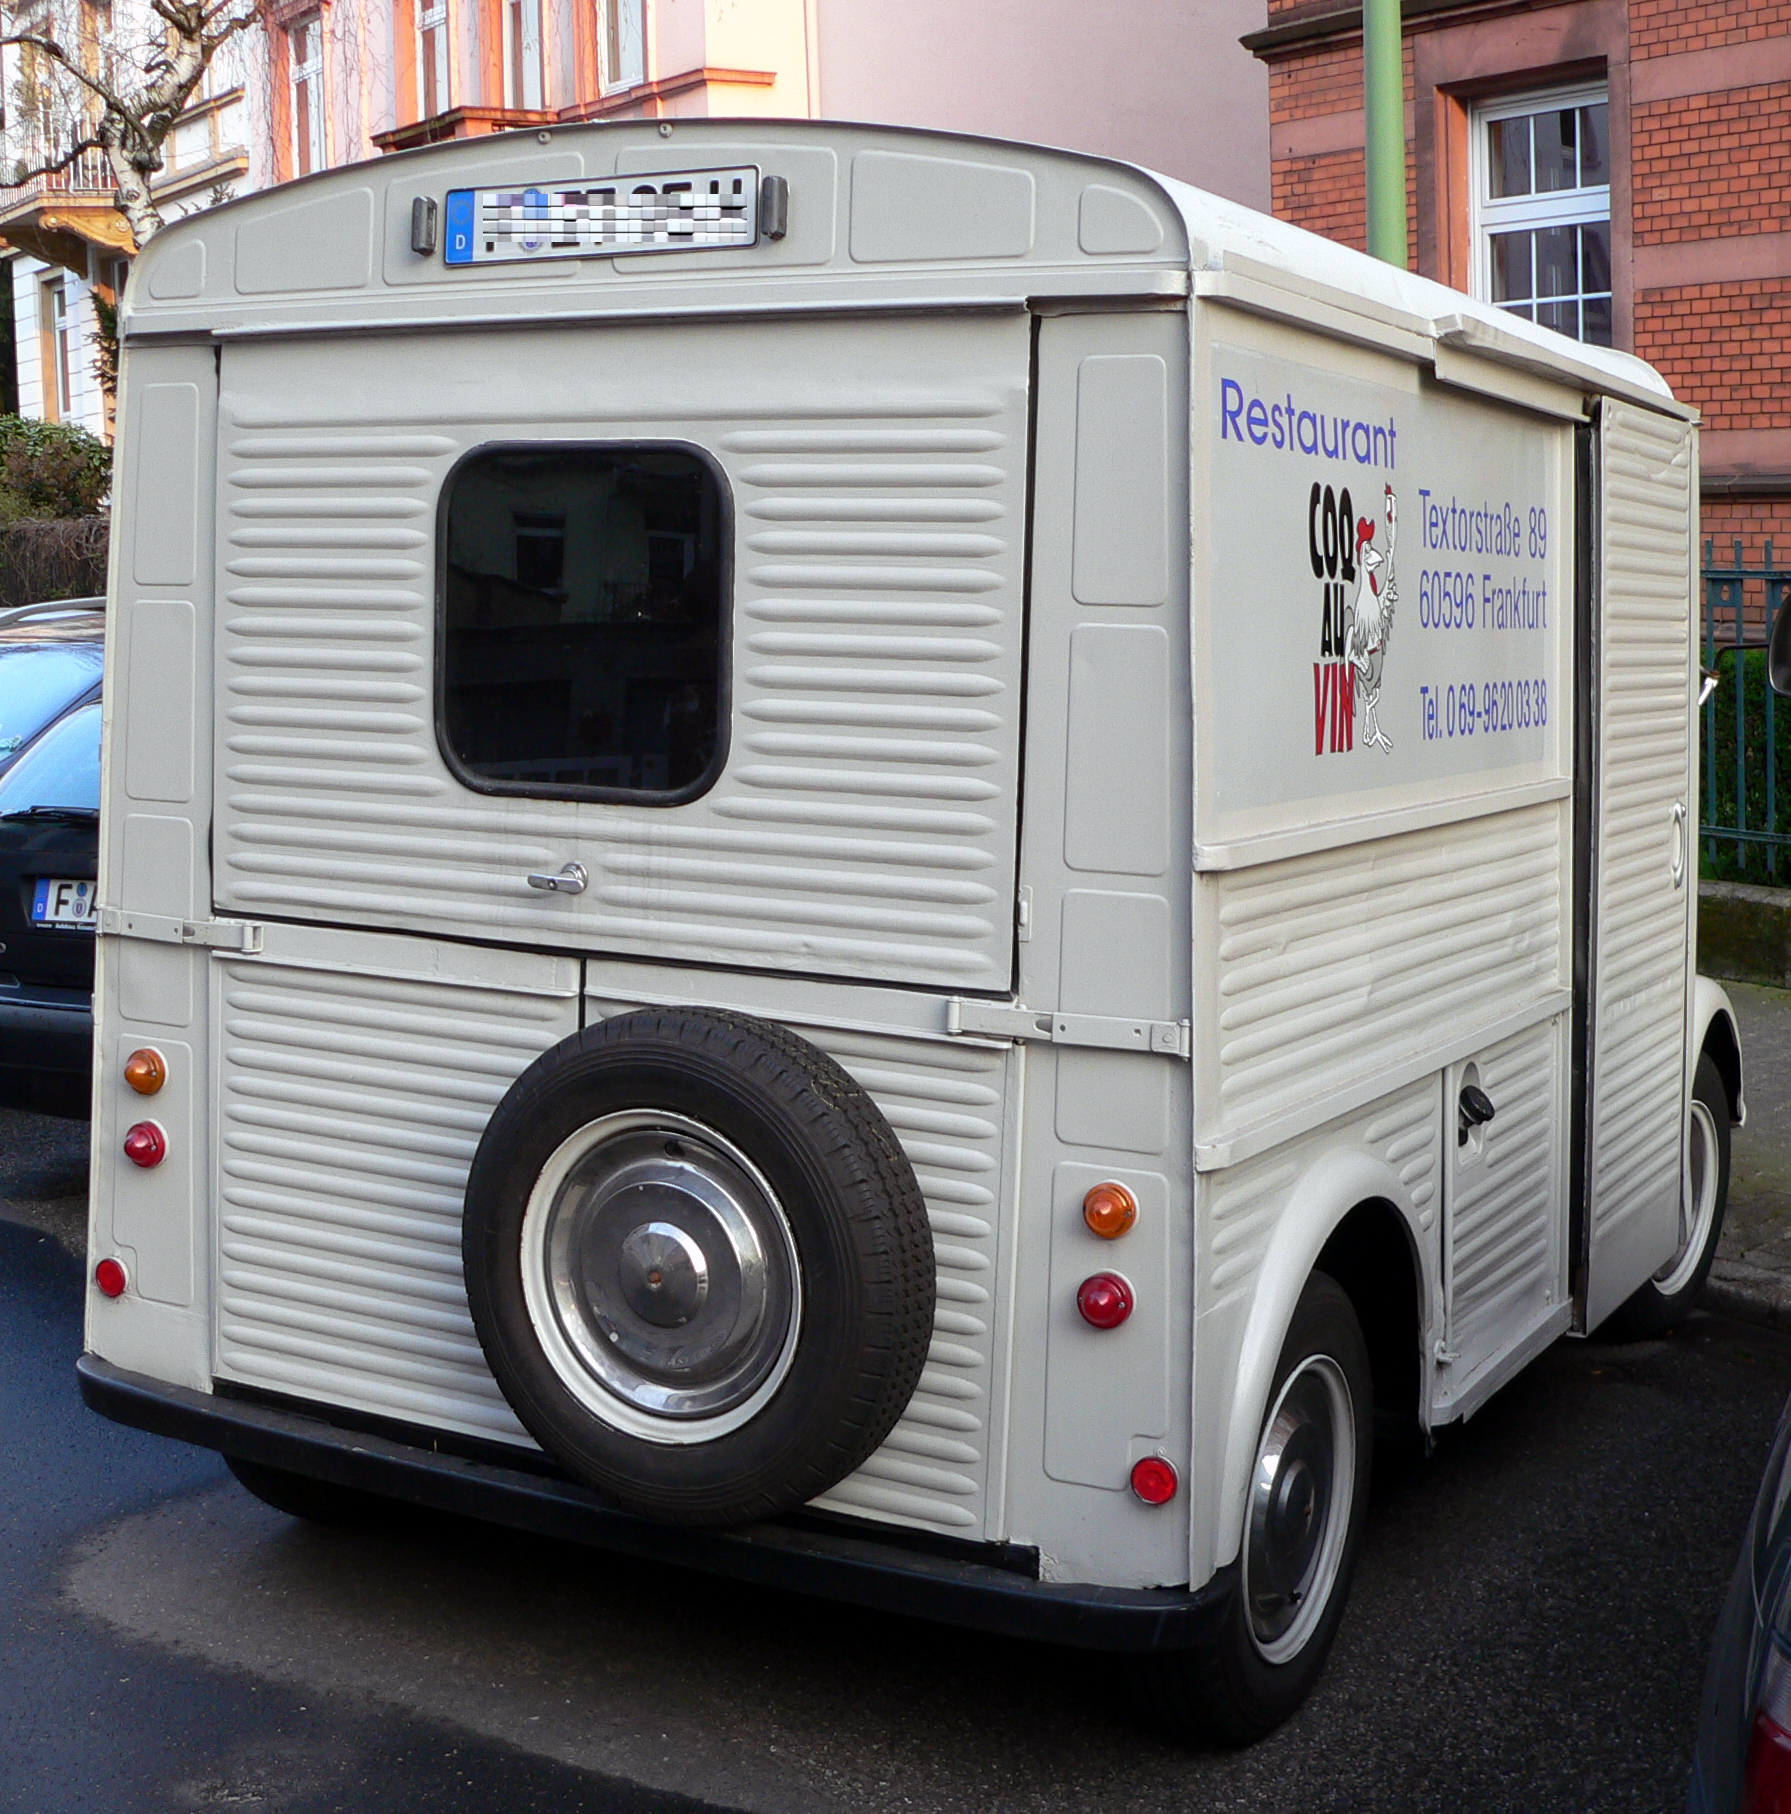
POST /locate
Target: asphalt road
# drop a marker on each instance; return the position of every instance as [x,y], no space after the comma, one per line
[1527,1632]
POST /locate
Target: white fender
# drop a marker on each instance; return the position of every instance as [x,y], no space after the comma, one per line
[1709,1001]
[1329,1189]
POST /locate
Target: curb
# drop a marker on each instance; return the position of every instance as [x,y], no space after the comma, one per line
[1748,1294]
[1744,933]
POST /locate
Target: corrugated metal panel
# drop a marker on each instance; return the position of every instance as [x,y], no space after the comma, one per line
[1330,963]
[945,1105]
[1640,940]
[351,1109]
[864,825]
[1504,1220]
[1240,1207]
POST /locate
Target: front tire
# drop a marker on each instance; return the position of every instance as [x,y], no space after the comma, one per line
[1302,1529]
[1666,1300]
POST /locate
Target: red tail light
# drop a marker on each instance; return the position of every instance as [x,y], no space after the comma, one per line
[1154,1480]
[146,1144]
[109,1276]
[1104,1300]
[1766,1784]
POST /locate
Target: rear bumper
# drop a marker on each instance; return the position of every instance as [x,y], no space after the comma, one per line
[47,1036]
[831,1564]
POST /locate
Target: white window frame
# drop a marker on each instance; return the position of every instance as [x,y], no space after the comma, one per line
[522,54]
[621,43]
[432,16]
[1555,208]
[308,77]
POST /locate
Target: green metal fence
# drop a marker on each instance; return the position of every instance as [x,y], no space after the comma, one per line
[1746,808]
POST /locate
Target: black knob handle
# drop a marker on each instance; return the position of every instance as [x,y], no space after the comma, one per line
[1476,1107]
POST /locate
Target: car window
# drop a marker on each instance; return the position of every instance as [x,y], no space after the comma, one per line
[583,601]
[61,768]
[38,683]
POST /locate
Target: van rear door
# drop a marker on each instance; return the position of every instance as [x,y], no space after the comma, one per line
[1643,855]
[866,525]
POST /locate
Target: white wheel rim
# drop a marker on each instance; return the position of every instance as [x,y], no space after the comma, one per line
[1697,1203]
[1302,1494]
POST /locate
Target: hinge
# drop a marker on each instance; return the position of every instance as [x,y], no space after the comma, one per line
[1110,1032]
[1443,1354]
[1023,914]
[213,935]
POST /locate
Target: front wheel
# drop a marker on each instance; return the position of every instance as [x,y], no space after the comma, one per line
[1302,1527]
[1666,1300]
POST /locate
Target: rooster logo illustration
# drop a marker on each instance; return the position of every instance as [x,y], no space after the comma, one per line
[1371,622]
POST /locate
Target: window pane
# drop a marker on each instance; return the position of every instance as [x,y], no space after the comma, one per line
[1595,256]
[1521,309]
[1510,267]
[38,684]
[1598,320]
[1595,155]
[1557,264]
[1508,156]
[1557,160]
[582,619]
[60,769]
[1563,317]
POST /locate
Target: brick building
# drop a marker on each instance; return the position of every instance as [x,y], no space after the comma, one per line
[1618,169]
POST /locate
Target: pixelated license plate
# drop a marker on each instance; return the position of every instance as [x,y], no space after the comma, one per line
[670,211]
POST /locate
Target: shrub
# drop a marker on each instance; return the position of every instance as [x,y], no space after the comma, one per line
[1726,859]
[51,469]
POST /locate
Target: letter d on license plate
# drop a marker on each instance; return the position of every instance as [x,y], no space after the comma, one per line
[62,902]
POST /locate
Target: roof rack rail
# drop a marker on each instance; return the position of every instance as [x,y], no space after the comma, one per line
[49,607]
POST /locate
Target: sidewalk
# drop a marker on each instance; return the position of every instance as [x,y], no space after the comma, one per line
[1752,1275]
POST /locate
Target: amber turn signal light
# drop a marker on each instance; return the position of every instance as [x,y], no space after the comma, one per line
[1104,1300]
[1110,1209]
[146,1144]
[1154,1480]
[109,1276]
[146,1070]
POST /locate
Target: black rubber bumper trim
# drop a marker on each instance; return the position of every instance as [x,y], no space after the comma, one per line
[831,1565]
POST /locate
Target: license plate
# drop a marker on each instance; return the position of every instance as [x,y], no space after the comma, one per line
[61,902]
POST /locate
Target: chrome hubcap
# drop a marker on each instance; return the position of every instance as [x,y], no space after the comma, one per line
[1299,1507]
[661,1276]
[1697,1202]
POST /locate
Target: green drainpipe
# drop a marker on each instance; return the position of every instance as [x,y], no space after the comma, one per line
[1383,95]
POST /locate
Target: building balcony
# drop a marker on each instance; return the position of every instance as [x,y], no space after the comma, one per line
[460,123]
[58,217]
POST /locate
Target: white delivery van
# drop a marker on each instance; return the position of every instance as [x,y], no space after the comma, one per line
[890,863]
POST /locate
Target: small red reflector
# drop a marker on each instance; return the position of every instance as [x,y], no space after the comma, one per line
[1154,1480]
[146,1144]
[1104,1300]
[109,1276]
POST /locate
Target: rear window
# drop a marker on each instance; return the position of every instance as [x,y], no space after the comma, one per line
[39,682]
[61,769]
[584,594]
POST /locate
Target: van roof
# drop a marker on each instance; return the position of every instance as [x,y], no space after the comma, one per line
[878,215]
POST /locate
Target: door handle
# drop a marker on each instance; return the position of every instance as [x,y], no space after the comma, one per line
[570,880]
[1473,1109]
[1679,827]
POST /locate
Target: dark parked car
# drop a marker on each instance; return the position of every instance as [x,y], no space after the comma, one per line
[50,667]
[1742,1764]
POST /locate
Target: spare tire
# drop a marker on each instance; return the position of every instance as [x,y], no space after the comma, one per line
[699,1264]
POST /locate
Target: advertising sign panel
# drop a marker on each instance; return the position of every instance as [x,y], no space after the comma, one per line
[1389,566]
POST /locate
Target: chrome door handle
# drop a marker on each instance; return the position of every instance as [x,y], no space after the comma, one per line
[1679,826]
[570,880]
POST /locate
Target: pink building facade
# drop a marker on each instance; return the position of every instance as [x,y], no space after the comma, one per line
[327,82]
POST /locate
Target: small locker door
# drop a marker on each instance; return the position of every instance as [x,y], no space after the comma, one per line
[1643,852]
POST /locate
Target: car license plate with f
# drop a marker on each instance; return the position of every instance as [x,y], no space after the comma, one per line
[61,901]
